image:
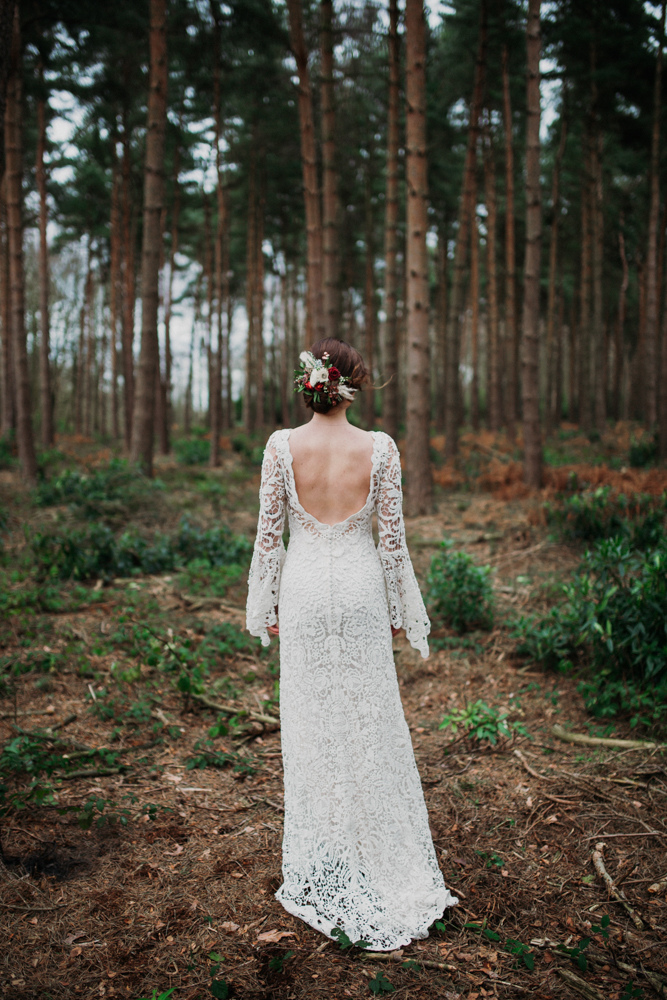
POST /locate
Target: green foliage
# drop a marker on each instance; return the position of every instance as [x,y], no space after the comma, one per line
[220,989]
[192,451]
[96,553]
[491,859]
[599,514]
[578,953]
[8,451]
[380,985]
[162,996]
[480,722]
[613,619]
[632,992]
[209,757]
[117,489]
[460,593]
[277,963]
[643,452]
[344,942]
[522,952]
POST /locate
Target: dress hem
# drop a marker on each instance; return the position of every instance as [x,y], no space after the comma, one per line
[310,916]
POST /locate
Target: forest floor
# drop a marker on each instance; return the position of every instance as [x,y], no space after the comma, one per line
[183,897]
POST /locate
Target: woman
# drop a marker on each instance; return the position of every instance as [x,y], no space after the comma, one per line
[357,851]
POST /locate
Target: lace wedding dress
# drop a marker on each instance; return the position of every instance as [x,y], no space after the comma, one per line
[357,851]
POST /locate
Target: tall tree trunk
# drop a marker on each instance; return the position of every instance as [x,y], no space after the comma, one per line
[419,481]
[441,328]
[210,299]
[599,336]
[8,417]
[216,387]
[165,436]
[550,403]
[251,264]
[619,352]
[258,367]
[7,8]
[14,175]
[494,407]
[46,403]
[159,416]
[572,372]
[651,337]
[90,354]
[144,405]
[285,358]
[466,207]
[114,288]
[558,355]
[370,312]
[316,328]
[390,345]
[511,339]
[532,439]
[329,183]
[474,321]
[129,290]
[585,413]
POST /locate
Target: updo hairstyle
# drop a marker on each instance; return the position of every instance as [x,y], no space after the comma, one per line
[347,360]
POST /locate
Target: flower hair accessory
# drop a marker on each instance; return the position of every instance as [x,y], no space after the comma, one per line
[322,378]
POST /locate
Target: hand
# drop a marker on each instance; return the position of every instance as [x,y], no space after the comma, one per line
[273,629]
[395,631]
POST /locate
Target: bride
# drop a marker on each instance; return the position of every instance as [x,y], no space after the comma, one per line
[357,851]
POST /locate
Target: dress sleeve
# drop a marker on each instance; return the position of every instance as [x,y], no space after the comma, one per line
[406,605]
[269,552]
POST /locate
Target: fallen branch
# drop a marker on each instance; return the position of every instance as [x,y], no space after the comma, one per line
[580,986]
[267,720]
[535,774]
[397,956]
[92,773]
[515,553]
[598,741]
[618,894]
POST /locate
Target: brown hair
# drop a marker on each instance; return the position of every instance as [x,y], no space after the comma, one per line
[347,360]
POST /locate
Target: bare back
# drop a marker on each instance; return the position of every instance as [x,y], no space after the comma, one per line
[332,462]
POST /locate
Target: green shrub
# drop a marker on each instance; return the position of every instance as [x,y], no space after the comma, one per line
[643,453]
[96,553]
[8,451]
[192,451]
[597,514]
[613,620]
[481,722]
[116,489]
[460,592]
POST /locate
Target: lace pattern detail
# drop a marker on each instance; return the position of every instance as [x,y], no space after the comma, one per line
[357,850]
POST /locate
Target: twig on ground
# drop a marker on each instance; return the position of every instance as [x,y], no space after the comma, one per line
[580,986]
[203,699]
[535,774]
[397,956]
[581,739]
[651,833]
[515,553]
[598,863]
[93,773]
[33,909]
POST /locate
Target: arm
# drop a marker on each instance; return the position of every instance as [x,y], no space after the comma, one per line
[406,605]
[269,551]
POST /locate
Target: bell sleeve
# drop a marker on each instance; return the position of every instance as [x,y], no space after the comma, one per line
[406,605]
[269,551]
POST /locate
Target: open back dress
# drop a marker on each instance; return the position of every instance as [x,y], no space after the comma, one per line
[357,850]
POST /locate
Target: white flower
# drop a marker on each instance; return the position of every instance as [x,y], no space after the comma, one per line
[309,360]
[319,375]
[346,391]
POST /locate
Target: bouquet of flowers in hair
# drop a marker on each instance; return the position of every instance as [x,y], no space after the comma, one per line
[321,378]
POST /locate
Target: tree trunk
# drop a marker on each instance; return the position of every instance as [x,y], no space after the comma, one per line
[210,299]
[315,305]
[419,481]
[14,176]
[531,294]
[251,264]
[129,291]
[585,415]
[619,352]
[89,354]
[390,345]
[258,367]
[441,328]
[114,288]
[637,399]
[215,404]
[8,418]
[650,359]
[493,396]
[550,403]
[466,207]
[370,313]
[7,8]
[474,320]
[285,359]
[599,336]
[329,181]
[511,339]
[144,407]
[46,404]
[165,436]
[558,356]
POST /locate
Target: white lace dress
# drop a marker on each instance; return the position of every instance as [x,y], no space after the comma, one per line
[357,851]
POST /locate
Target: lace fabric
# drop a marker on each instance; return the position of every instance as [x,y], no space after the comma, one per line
[357,851]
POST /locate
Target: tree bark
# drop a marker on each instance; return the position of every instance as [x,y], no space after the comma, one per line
[329,180]
[315,305]
[165,435]
[585,415]
[550,404]
[390,345]
[8,416]
[531,295]
[419,480]
[7,9]
[474,321]
[370,311]
[493,395]
[144,406]
[511,339]
[620,326]
[258,324]
[466,207]
[90,352]
[251,264]
[216,386]
[46,403]
[114,287]
[599,336]
[441,327]
[651,337]
[14,175]
[129,291]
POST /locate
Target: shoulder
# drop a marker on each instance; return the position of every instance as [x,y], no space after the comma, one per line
[385,443]
[276,443]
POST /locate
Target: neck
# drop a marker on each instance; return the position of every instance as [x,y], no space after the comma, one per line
[337,415]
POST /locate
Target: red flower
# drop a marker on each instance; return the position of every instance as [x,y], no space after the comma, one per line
[308,385]
[333,372]
[319,387]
